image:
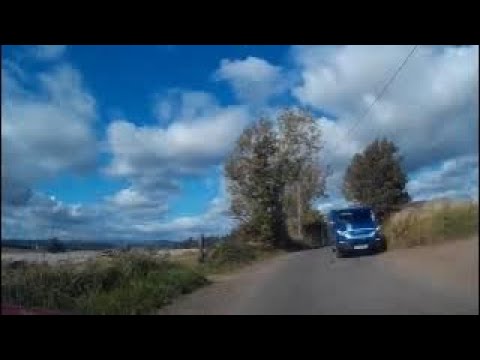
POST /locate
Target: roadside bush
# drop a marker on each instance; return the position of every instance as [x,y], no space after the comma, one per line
[232,253]
[126,284]
[434,222]
[145,294]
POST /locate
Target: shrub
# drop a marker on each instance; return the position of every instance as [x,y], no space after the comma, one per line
[127,284]
[232,253]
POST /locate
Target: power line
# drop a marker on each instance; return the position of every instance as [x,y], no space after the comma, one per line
[380,94]
[384,89]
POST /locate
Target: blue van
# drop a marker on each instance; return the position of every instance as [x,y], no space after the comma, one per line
[354,229]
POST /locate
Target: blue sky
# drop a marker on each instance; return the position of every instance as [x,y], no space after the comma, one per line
[129,141]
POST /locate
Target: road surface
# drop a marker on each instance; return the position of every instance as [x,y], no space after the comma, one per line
[441,279]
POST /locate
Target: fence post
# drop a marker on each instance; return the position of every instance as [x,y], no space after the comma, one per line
[201,248]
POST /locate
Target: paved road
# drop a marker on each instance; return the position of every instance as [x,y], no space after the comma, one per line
[315,282]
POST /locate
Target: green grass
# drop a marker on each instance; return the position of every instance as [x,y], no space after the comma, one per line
[227,257]
[123,284]
[432,223]
[128,284]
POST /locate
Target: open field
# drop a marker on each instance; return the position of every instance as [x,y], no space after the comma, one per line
[80,256]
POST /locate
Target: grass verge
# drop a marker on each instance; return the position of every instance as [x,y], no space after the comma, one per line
[126,284]
[228,257]
[432,223]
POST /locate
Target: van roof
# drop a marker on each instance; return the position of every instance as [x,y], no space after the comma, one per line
[352,208]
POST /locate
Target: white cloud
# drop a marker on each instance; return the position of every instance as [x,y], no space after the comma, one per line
[430,111]
[130,198]
[198,135]
[453,178]
[46,216]
[338,146]
[180,105]
[48,132]
[254,80]
[198,139]
[48,52]
[435,96]
[215,220]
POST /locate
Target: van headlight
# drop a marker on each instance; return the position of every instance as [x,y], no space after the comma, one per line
[343,234]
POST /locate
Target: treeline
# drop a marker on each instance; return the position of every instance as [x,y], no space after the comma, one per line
[276,174]
[58,245]
[193,243]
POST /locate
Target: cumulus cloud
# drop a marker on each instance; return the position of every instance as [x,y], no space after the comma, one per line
[430,111]
[130,198]
[47,122]
[215,220]
[48,52]
[200,137]
[180,147]
[45,132]
[181,105]
[15,192]
[253,80]
[46,216]
[194,135]
[453,178]
[434,97]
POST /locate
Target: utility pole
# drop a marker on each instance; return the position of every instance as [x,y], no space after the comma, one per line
[299,211]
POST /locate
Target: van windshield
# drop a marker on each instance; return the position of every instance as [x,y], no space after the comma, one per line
[356,216]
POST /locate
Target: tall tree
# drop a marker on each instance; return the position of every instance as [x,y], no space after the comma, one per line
[253,180]
[376,178]
[270,163]
[300,147]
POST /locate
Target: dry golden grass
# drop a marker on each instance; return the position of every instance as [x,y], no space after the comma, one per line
[434,222]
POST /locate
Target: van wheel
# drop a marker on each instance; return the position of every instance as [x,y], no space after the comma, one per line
[339,254]
[383,246]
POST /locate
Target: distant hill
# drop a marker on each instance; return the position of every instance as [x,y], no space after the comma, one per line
[68,244]
[104,245]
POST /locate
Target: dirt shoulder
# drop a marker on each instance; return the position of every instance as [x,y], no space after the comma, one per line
[451,265]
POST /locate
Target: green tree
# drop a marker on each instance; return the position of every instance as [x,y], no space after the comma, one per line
[273,172]
[300,144]
[254,183]
[375,178]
